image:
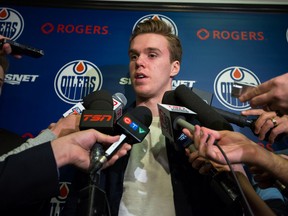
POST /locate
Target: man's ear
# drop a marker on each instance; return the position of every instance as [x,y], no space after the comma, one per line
[175,68]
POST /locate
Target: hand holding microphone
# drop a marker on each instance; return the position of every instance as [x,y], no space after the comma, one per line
[104,113]
[17,49]
[205,115]
[98,114]
[268,125]
[133,126]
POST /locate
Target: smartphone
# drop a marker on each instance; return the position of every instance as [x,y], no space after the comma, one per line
[21,49]
[238,88]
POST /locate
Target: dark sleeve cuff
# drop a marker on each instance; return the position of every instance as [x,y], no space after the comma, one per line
[29,176]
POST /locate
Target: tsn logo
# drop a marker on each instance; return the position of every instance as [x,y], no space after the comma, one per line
[97,118]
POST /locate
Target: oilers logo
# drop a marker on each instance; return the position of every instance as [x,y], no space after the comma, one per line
[57,203]
[11,23]
[223,86]
[159,17]
[77,79]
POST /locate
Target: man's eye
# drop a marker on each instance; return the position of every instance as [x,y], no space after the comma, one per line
[133,57]
[152,55]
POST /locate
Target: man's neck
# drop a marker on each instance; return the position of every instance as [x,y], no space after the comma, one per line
[151,104]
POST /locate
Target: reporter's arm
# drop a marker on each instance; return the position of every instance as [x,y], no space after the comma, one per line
[32,175]
[258,206]
[75,148]
[239,149]
[64,126]
[28,177]
[43,137]
[275,165]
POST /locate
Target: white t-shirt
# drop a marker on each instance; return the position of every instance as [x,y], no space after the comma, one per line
[147,181]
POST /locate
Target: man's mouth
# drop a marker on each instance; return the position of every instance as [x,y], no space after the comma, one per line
[140,76]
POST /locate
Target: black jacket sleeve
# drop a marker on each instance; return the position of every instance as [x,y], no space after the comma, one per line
[28,177]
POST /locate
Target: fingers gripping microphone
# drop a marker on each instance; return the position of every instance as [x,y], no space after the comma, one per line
[244,121]
[102,111]
[206,115]
[240,120]
[100,116]
[134,127]
[236,119]
[221,182]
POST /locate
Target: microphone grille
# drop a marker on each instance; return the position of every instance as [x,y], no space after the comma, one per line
[98,100]
[120,97]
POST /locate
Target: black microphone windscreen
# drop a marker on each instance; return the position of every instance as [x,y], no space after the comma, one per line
[207,116]
[142,114]
[98,100]
[170,99]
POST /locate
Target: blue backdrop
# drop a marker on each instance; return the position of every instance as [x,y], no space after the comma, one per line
[86,50]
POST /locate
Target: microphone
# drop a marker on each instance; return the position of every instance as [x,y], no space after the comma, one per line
[244,121]
[98,113]
[169,117]
[119,102]
[240,120]
[207,116]
[134,126]
[221,182]
[76,109]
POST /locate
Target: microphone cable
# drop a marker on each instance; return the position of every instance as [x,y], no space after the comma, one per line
[246,203]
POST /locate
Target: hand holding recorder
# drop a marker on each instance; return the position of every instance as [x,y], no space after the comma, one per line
[12,47]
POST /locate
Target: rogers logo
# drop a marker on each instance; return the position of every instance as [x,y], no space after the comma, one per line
[204,34]
[48,28]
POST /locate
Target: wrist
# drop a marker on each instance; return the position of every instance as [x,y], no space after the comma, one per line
[253,154]
[262,157]
[60,153]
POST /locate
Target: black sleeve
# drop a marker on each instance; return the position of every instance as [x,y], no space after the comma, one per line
[28,177]
[9,140]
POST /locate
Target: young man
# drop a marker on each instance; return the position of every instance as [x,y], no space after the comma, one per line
[155,179]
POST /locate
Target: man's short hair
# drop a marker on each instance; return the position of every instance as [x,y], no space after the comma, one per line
[161,28]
